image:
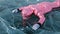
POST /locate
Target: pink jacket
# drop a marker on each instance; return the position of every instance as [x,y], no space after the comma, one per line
[39,9]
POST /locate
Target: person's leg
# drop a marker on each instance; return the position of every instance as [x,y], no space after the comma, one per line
[56,3]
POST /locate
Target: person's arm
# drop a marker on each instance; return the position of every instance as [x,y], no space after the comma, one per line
[40,22]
